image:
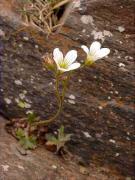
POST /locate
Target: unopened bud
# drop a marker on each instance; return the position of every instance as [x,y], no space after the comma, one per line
[48,61]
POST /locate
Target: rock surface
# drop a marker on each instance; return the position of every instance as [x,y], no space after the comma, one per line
[40,164]
[102,118]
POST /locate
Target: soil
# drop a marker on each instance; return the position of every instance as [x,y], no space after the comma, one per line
[102,118]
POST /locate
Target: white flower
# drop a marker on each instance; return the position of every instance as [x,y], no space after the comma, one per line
[66,63]
[95,52]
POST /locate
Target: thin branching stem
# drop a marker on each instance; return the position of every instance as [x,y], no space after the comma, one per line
[60,99]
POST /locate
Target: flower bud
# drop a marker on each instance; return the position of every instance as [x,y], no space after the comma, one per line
[48,61]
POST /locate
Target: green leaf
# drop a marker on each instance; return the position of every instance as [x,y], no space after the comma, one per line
[60,140]
[61,132]
[31,118]
[20,133]
[51,139]
[28,142]
[21,104]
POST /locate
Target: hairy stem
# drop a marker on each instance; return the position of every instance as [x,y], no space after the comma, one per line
[60,102]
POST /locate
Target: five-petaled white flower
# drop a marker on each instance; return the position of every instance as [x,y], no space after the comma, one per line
[95,52]
[66,63]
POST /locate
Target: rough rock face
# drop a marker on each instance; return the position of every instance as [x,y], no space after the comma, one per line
[40,164]
[102,117]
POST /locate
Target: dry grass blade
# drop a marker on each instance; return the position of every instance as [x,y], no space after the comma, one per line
[58,5]
[46,15]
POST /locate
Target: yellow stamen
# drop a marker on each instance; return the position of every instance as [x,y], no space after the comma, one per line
[89,60]
[63,64]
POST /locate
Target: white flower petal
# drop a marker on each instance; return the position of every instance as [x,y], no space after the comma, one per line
[74,66]
[70,68]
[70,57]
[102,53]
[95,46]
[62,69]
[85,48]
[57,55]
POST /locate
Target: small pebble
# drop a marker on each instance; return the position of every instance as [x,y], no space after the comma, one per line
[54,166]
[27,105]
[5,167]
[21,69]
[87,19]
[116,51]
[16,100]
[121,65]
[112,84]
[129,57]
[98,135]
[71,101]
[55,132]
[86,134]
[20,45]
[29,112]
[20,167]
[109,97]
[36,46]
[72,97]
[2,33]
[117,154]
[25,38]
[120,42]
[50,84]
[84,170]
[100,107]
[116,92]
[80,80]
[24,92]
[121,29]
[22,96]
[7,100]
[18,82]
[128,138]
[128,133]
[84,30]
[77,4]
[112,141]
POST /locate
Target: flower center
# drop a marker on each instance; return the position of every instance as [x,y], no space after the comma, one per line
[89,60]
[63,64]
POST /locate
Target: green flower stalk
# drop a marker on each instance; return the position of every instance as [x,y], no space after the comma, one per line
[62,64]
